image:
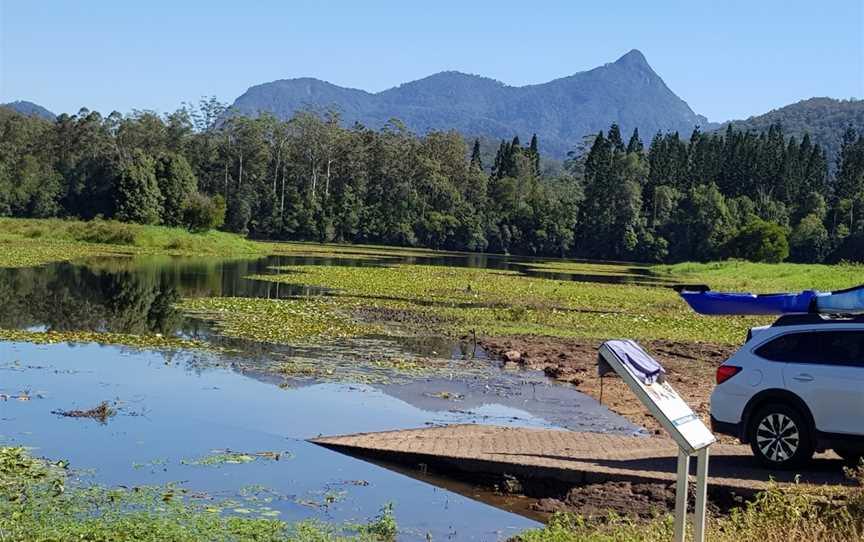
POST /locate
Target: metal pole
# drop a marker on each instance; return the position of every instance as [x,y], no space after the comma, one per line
[701,494]
[681,495]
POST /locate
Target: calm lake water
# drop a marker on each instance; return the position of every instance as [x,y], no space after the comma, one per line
[176,407]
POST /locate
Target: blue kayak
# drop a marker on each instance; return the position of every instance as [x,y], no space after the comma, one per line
[705,301]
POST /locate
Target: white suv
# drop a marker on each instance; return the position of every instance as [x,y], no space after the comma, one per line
[794,388]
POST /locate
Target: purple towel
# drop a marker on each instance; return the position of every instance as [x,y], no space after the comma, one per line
[637,361]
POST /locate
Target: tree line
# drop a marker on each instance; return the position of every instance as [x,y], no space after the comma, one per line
[761,196]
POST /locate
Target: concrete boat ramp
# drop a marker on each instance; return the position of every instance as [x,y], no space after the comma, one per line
[545,457]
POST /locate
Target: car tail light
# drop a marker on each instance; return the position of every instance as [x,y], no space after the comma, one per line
[725,372]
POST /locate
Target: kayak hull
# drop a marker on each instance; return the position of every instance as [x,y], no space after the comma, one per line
[727,303]
[705,301]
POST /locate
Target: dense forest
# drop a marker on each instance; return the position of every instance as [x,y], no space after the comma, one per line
[824,119]
[761,196]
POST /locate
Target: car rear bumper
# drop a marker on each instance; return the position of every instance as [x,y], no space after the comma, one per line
[725,428]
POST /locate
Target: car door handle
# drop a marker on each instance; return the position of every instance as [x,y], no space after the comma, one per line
[803,377]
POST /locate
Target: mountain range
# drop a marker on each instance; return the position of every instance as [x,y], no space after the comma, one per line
[561,112]
[29,108]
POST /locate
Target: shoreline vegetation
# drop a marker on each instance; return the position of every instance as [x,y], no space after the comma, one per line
[41,500]
[664,197]
[454,301]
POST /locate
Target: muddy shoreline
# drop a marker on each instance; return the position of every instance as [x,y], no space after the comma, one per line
[690,370]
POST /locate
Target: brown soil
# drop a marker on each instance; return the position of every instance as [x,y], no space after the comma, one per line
[690,370]
[626,499]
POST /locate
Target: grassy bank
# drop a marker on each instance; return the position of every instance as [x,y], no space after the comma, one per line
[40,502]
[776,515]
[36,241]
[765,277]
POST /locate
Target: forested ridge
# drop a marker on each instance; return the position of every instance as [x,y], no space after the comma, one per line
[755,195]
[825,119]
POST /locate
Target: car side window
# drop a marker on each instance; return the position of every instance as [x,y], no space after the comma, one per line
[842,348]
[790,348]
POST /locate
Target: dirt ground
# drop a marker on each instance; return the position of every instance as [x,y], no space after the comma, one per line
[690,370]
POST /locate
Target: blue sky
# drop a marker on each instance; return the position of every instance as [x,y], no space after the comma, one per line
[726,58]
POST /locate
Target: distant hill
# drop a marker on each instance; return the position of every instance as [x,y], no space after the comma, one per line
[29,108]
[825,119]
[561,112]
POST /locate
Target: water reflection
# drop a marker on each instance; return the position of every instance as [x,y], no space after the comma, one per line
[136,295]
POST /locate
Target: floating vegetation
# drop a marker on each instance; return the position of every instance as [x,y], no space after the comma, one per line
[100,412]
[160,462]
[150,342]
[455,301]
[377,370]
[227,457]
[279,321]
[39,502]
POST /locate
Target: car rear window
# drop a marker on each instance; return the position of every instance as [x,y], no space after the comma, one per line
[823,347]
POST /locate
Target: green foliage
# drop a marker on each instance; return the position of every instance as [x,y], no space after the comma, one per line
[777,514]
[138,196]
[760,241]
[809,241]
[177,184]
[823,119]
[39,503]
[202,213]
[311,179]
[33,242]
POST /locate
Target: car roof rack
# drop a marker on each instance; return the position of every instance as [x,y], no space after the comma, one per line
[818,318]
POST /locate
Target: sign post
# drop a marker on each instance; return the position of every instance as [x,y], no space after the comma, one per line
[645,378]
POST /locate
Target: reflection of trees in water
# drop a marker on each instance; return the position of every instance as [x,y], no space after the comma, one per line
[135,295]
[64,297]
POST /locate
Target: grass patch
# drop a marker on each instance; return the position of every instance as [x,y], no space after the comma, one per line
[764,277]
[112,232]
[778,514]
[38,502]
[27,242]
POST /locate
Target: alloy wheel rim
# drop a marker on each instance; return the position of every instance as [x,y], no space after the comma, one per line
[777,437]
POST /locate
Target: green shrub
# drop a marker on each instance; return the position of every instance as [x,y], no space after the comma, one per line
[109,232]
[202,213]
[760,241]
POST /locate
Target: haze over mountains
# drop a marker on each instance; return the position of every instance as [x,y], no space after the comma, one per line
[561,112]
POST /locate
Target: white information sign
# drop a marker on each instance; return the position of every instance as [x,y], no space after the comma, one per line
[676,416]
[644,376]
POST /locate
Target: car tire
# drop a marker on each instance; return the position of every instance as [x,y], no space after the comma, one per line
[850,457]
[780,437]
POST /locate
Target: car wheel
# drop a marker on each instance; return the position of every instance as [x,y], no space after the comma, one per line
[850,457]
[780,437]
